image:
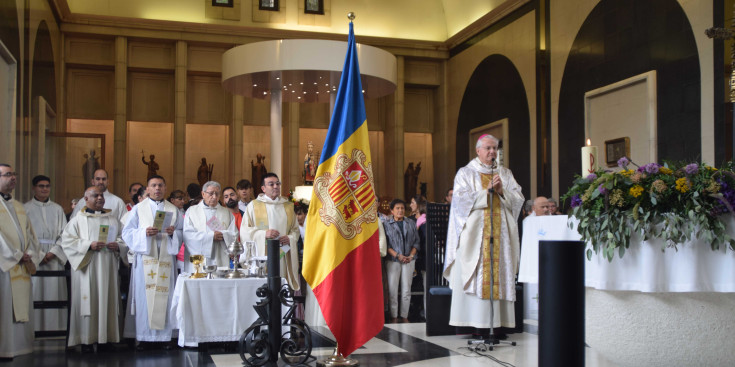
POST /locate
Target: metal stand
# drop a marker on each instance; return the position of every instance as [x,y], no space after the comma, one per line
[336,359]
[262,342]
[492,339]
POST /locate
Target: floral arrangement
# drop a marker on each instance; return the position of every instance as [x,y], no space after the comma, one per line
[298,202]
[671,202]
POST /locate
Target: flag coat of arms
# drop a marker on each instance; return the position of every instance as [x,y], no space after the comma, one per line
[341,254]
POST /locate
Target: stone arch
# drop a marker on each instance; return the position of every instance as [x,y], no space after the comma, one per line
[620,39]
[495,91]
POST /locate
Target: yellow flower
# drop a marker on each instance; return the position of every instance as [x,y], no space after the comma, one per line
[665,170]
[627,172]
[711,168]
[636,191]
[682,185]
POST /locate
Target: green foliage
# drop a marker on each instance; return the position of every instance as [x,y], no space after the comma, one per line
[674,203]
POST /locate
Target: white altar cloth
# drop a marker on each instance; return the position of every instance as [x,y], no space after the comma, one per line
[214,310]
[644,267]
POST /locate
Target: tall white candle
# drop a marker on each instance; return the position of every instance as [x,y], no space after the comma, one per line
[589,159]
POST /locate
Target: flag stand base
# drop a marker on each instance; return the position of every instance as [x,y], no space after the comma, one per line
[337,359]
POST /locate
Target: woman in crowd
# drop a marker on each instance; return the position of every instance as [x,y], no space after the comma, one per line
[403,244]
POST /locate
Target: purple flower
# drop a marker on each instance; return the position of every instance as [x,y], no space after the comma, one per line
[591,177]
[691,169]
[728,194]
[651,168]
[623,162]
[602,189]
[576,201]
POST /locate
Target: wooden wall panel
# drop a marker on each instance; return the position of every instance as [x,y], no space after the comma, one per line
[90,94]
[257,112]
[314,115]
[150,97]
[90,51]
[151,55]
[420,72]
[206,101]
[207,59]
[419,110]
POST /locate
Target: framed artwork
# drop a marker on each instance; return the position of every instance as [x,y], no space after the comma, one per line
[314,7]
[271,5]
[616,149]
[223,3]
[498,129]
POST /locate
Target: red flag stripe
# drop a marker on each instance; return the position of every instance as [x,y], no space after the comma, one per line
[349,297]
[364,190]
[338,186]
[341,190]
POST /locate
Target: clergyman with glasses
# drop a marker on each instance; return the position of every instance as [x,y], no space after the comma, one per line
[208,228]
[271,216]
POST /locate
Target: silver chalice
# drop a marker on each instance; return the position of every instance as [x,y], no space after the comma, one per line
[235,249]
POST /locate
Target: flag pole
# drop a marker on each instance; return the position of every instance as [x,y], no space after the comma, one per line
[337,359]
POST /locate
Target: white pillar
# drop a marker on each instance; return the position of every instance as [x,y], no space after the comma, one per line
[276,132]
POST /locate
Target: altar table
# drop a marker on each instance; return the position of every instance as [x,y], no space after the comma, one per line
[214,310]
[694,267]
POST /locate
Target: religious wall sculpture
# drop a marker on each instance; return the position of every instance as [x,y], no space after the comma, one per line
[259,171]
[152,165]
[410,180]
[310,164]
[90,165]
[204,173]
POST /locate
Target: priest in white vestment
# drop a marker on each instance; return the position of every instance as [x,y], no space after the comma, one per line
[153,233]
[93,245]
[470,252]
[112,201]
[48,221]
[20,253]
[271,216]
[208,229]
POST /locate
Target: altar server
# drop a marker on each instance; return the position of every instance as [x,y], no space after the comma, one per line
[48,220]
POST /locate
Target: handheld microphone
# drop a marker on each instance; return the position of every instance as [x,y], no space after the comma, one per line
[492,167]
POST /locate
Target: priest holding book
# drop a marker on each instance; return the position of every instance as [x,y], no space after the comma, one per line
[92,243]
[153,233]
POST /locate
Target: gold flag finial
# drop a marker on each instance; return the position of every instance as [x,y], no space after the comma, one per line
[351,16]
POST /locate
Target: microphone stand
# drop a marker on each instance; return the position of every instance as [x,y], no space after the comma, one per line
[491,340]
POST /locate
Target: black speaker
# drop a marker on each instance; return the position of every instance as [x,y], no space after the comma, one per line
[561,303]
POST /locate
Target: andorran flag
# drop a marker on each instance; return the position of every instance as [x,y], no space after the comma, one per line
[341,254]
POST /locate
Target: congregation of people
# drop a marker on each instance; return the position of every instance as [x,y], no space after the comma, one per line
[155,232]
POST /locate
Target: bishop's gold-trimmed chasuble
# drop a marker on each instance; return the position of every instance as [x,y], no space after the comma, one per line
[467,264]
